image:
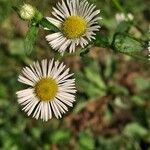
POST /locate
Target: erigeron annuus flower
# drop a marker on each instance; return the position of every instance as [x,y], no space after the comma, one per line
[51,89]
[149,44]
[148,50]
[77,21]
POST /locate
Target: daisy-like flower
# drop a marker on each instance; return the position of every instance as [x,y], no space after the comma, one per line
[51,89]
[149,50]
[149,45]
[77,21]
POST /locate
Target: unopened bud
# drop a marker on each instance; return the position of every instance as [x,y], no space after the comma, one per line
[27,12]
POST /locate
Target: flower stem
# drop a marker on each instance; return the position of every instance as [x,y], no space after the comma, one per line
[118,6]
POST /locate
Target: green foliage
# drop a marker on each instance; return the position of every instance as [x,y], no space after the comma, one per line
[90,79]
[117,118]
[135,130]
[124,26]
[110,143]
[142,84]
[126,44]
[86,141]
[5,9]
[30,39]
[60,136]
[101,40]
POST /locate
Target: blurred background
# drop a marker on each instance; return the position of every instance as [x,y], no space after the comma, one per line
[112,108]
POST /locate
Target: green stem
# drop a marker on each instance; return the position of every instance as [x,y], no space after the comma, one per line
[118,6]
[67,54]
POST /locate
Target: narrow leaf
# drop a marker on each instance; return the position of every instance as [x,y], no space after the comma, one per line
[30,39]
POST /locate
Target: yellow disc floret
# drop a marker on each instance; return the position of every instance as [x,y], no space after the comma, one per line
[46,89]
[74,27]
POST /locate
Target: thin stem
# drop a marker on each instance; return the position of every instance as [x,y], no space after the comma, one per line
[67,54]
[118,6]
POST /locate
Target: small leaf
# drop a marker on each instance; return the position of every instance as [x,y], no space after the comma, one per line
[86,141]
[110,67]
[138,100]
[142,84]
[101,40]
[124,26]
[128,45]
[94,78]
[79,106]
[30,38]
[3,91]
[16,47]
[60,136]
[135,130]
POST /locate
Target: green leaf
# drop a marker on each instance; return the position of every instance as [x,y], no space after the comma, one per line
[126,44]
[86,141]
[135,130]
[119,89]
[60,136]
[79,106]
[101,40]
[86,86]
[137,100]
[124,26]
[83,53]
[109,67]
[111,143]
[94,77]
[3,91]
[142,84]
[5,9]
[16,47]
[30,38]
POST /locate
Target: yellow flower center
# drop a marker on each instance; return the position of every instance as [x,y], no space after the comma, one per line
[46,89]
[74,27]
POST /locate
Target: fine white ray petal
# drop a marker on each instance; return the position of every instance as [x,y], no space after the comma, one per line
[25,80]
[54,21]
[49,111]
[44,67]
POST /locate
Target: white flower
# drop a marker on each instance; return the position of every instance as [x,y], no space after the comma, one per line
[130,16]
[149,50]
[51,89]
[122,17]
[149,46]
[27,12]
[77,21]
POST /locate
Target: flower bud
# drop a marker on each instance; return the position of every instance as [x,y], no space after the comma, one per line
[27,12]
